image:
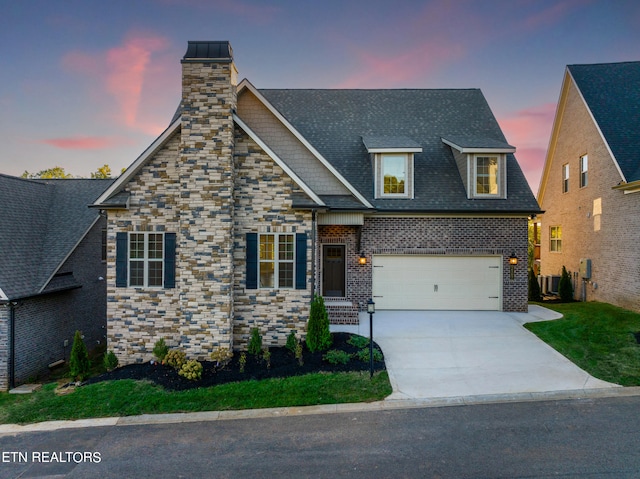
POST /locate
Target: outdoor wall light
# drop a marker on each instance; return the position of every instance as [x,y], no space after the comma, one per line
[513,261]
[362,259]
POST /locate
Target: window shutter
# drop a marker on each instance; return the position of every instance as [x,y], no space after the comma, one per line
[170,260]
[301,261]
[252,261]
[122,253]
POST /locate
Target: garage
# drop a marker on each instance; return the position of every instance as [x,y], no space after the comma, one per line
[414,282]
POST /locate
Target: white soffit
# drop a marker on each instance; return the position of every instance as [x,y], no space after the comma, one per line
[349,219]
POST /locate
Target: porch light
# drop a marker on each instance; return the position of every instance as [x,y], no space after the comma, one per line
[362,259]
[371,306]
[513,261]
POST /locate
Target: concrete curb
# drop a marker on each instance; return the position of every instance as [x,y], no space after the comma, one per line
[385,405]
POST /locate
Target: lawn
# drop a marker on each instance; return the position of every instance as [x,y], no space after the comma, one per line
[598,337]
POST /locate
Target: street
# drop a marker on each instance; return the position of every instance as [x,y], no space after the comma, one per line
[590,438]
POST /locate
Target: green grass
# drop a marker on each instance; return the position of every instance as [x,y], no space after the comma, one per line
[128,397]
[598,337]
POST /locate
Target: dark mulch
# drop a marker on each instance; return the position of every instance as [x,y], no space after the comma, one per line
[283,364]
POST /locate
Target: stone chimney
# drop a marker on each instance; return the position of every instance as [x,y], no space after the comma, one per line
[205,239]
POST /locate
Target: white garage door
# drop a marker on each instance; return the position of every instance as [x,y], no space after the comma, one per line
[437,282]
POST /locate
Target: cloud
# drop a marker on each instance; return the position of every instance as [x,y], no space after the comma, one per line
[529,131]
[119,75]
[85,142]
[553,14]
[257,14]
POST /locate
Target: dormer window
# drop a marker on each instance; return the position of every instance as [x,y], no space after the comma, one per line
[486,172]
[393,165]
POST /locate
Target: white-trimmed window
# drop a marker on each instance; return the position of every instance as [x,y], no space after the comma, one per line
[555,239]
[584,171]
[394,174]
[565,178]
[276,260]
[487,178]
[146,260]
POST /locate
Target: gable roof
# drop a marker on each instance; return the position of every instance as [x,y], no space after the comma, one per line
[335,122]
[43,221]
[611,92]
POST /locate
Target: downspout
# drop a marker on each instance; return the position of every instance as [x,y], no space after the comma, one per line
[12,345]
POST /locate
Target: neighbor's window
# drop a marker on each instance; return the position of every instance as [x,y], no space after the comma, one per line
[584,171]
[555,242]
[276,260]
[394,174]
[565,177]
[486,175]
[146,259]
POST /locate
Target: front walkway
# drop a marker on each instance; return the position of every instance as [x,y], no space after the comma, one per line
[438,354]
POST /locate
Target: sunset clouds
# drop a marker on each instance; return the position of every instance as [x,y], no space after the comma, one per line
[85,142]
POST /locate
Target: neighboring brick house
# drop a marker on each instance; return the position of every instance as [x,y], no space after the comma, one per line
[590,188]
[52,273]
[253,200]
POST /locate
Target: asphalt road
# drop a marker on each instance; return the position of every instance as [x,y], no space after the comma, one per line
[588,438]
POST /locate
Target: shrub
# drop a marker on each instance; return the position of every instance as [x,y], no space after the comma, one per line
[534,287]
[160,349]
[337,356]
[358,341]
[191,370]
[110,361]
[255,343]
[363,355]
[292,341]
[266,355]
[79,361]
[222,357]
[175,358]
[318,334]
[565,289]
[298,353]
[243,361]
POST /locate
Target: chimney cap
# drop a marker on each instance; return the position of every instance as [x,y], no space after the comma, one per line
[208,51]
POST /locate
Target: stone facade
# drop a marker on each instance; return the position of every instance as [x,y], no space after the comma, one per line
[597,222]
[458,236]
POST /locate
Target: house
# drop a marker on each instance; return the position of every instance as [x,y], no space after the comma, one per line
[590,187]
[252,201]
[52,273]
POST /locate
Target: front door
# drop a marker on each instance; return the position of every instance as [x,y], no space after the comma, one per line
[333,271]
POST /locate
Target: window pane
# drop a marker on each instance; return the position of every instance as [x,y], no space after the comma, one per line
[155,246]
[285,275]
[267,275]
[155,273]
[285,247]
[267,247]
[487,175]
[394,174]
[136,246]
[136,273]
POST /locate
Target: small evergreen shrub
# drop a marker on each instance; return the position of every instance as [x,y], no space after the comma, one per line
[255,343]
[565,289]
[358,341]
[336,356]
[192,370]
[534,287]
[318,334]
[222,357]
[292,341]
[363,355]
[79,361]
[298,353]
[243,361]
[266,356]
[175,358]
[160,349]
[110,361]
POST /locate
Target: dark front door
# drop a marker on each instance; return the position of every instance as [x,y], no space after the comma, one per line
[333,274]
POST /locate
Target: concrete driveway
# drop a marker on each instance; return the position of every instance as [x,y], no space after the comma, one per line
[442,354]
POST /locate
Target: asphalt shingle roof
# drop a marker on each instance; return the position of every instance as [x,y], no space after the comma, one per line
[336,121]
[41,221]
[612,92]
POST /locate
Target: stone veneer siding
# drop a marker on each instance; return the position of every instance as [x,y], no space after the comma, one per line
[609,239]
[428,235]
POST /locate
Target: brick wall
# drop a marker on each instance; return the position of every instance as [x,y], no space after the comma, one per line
[4,347]
[609,239]
[422,235]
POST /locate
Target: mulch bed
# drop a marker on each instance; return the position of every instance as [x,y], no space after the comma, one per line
[283,364]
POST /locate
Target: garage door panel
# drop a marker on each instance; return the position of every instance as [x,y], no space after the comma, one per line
[437,282]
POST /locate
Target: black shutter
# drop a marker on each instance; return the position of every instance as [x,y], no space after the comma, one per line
[301,261]
[122,259]
[169,260]
[252,261]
